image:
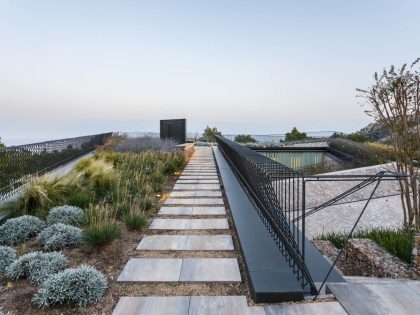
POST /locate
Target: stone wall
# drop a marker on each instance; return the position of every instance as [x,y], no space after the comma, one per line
[363,257]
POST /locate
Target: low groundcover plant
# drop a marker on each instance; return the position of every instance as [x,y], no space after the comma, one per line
[82,286]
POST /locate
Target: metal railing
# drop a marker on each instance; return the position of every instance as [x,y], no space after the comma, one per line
[276,191]
[19,164]
[279,192]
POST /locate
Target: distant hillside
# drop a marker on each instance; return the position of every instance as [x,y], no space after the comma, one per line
[377,132]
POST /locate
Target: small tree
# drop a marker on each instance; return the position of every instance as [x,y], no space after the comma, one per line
[295,135]
[210,133]
[1,144]
[244,139]
[394,99]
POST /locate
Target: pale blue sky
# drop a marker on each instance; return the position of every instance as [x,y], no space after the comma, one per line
[71,68]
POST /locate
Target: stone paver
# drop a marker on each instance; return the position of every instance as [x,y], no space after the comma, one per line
[196,194]
[195,201]
[222,305]
[333,308]
[189,224]
[217,305]
[181,270]
[151,270]
[163,242]
[210,270]
[398,298]
[197,181]
[186,242]
[198,177]
[192,211]
[168,305]
[197,187]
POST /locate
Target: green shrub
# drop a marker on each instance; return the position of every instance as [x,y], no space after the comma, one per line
[7,256]
[363,154]
[81,286]
[66,214]
[59,235]
[134,220]
[397,242]
[37,266]
[17,230]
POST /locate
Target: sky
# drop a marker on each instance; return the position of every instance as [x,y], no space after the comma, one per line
[70,68]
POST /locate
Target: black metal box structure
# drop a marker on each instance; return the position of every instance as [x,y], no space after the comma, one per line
[175,129]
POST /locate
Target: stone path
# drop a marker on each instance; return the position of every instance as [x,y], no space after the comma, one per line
[196,193]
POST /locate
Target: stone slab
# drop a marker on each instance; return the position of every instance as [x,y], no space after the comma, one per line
[198,177]
[195,201]
[196,187]
[197,181]
[378,298]
[210,270]
[222,305]
[192,211]
[189,224]
[196,194]
[151,270]
[163,242]
[186,242]
[186,305]
[333,308]
[209,242]
[168,305]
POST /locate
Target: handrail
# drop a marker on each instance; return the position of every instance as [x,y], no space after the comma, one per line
[279,192]
[276,191]
[20,164]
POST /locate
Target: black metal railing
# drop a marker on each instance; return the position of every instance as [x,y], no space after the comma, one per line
[279,192]
[276,191]
[19,164]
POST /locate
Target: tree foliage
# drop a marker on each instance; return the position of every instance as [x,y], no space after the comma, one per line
[394,101]
[245,139]
[295,135]
[210,133]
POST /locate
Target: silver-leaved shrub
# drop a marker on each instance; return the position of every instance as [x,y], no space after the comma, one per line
[59,235]
[37,266]
[66,214]
[17,230]
[7,256]
[82,286]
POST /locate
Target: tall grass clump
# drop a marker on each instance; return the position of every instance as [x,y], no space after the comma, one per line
[146,143]
[102,228]
[398,242]
[134,220]
[98,176]
[40,196]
